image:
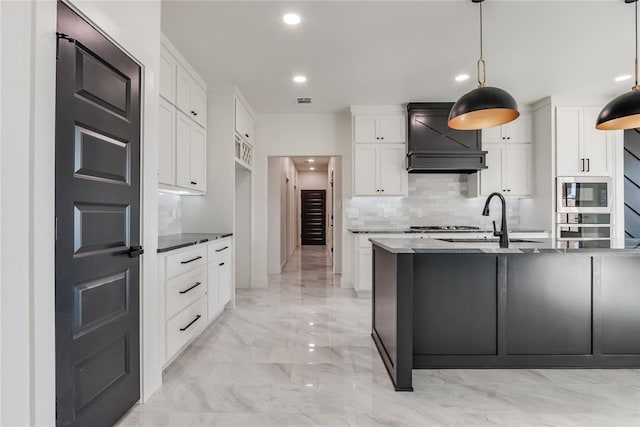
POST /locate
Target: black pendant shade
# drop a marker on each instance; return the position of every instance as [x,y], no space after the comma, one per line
[621,113]
[482,108]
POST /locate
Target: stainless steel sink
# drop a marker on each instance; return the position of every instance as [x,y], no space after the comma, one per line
[462,240]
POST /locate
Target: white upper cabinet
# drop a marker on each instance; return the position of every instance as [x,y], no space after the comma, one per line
[244,123]
[190,155]
[518,131]
[581,149]
[168,69]
[509,171]
[190,97]
[387,128]
[380,170]
[167,144]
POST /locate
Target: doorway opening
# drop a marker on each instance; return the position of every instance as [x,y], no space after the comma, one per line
[304,208]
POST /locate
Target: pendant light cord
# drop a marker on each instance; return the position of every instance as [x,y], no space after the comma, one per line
[482,31]
[636,87]
[482,67]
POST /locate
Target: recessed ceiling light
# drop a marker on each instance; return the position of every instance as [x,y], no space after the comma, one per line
[462,77]
[291,19]
[623,78]
[299,79]
[312,168]
[310,160]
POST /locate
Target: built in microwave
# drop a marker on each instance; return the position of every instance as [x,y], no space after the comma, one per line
[584,194]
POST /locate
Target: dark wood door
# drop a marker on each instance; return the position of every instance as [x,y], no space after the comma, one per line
[632,183]
[313,217]
[97,226]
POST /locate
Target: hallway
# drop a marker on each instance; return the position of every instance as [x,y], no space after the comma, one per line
[299,354]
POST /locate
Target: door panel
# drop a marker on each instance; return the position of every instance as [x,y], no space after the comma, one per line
[313,217]
[491,178]
[392,170]
[97,218]
[595,145]
[365,171]
[520,130]
[198,158]
[167,144]
[568,137]
[393,128]
[518,175]
[364,129]
[183,151]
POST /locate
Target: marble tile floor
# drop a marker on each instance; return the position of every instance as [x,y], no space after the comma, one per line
[299,354]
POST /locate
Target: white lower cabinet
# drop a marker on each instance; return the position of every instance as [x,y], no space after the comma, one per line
[198,284]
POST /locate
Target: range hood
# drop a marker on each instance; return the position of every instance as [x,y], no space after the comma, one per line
[436,148]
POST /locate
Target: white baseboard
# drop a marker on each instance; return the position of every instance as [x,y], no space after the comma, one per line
[363,294]
[260,283]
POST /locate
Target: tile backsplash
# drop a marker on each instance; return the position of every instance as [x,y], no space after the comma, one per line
[169,214]
[434,199]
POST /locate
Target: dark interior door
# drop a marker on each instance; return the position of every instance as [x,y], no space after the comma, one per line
[632,183]
[313,217]
[97,226]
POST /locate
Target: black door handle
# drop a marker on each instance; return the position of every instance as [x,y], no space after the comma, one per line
[222,249]
[194,286]
[191,260]
[221,264]
[190,323]
[194,113]
[135,251]
[246,135]
[194,183]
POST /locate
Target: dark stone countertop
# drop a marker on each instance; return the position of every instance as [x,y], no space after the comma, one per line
[410,231]
[177,241]
[418,246]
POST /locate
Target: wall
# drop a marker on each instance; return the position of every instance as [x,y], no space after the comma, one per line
[313,180]
[27,338]
[169,214]
[434,199]
[292,135]
[282,230]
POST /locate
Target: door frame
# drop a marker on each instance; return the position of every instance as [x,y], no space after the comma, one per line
[39,408]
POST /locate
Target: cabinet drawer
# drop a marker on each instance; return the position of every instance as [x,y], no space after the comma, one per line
[184,290]
[185,326]
[185,261]
[219,249]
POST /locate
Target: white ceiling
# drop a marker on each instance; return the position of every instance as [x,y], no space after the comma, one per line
[321,164]
[392,52]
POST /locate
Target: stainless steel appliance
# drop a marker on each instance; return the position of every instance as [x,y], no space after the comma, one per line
[444,228]
[584,195]
[584,230]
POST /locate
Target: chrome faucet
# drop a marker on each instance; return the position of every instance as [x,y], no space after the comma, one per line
[503,234]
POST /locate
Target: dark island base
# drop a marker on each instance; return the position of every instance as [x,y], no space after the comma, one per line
[460,310]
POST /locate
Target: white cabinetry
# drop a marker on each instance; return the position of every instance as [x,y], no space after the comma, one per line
[182,114]
[509,171]
[380,170]
[388,128]
[518,131]
[190,155]
[197,284]
[244,123]
[581,149]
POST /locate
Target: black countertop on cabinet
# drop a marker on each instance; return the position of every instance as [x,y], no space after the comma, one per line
[177,241]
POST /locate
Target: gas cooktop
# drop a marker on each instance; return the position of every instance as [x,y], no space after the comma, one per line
[444,227]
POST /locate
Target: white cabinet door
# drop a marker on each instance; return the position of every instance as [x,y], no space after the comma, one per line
[167,143]
[519,130]
[213,289]
[224,280]
[244,123]
[393,179]
[198,156]
[518,166]
[569,160]
[595,146]
[198,102]
[492,135]
[183,151]
[183,90]
[491,178]
[365,171]
[365,129]
[392,129]
[365,264]
[168,66]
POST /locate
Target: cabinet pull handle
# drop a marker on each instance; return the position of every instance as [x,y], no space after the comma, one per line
[194,286]
[246,135]
[194,183]
[222,249]
[588,165]
[582,169]
[221,264]
[191,260]
[190,323]
[194,113]
[382,190]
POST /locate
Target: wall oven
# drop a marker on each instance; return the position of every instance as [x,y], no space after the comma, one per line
[584,230]
[584,195]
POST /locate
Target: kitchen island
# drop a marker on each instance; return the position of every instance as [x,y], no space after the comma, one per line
[471,304]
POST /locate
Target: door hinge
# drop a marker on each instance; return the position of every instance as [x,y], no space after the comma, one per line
[64,37]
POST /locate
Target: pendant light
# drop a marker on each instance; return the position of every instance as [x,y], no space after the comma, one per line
[624,111]
[484,107]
